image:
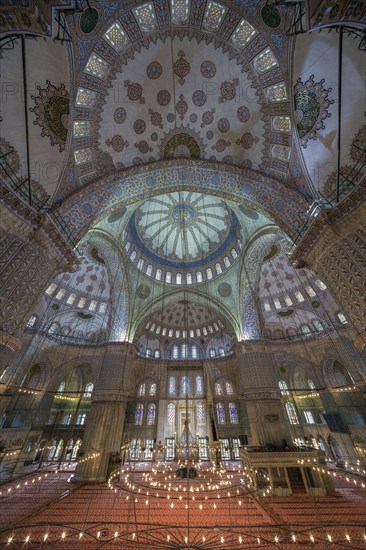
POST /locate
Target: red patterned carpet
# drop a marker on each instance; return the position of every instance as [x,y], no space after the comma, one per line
[135,513]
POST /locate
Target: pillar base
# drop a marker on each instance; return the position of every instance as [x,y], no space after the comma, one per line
[10,342]
[360,342]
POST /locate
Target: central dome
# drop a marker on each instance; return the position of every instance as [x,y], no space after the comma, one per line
[182,231]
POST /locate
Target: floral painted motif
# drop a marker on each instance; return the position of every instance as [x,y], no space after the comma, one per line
[243,113]
[117,143]
[247,140]
[139,126]
[199,98]
[143,146]
[181,106]
[154,70]
[208,69]
[52,113]
[163,98]
[134,91]
[155,118]
[221,145]
[120,115]
[311,108]
[223,125]
[228,90]
[181,67]
[208,117]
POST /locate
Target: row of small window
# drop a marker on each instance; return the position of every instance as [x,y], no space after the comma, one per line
[210,329]
[298,295]
[92,306]
[186,383]
[179,278]
[294,417]
[86,392]
[285,390]
[227,411]
[68,418]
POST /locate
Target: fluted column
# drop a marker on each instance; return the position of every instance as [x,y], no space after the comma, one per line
[105,421]
[259,387]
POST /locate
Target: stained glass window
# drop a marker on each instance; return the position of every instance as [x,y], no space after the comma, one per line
[142,389]
[139,413]
[277,303]
[310,291]
[88,389]
[199,385]
[309,418]
[171,413]
[71,299]
[318,325]
[218,388]
[180,10]
[218,268]
[229,388]
[184,351]
[201,413]
[151,414]
[83,155]
[60,294]
[277,92]
[213,16]
[264,61]
[93,305]
[299,296]
[220,413]
[31,321]
[185,385]
[342,318]
[233,413]
[288,301]
[283,387]
[243,33]
[281,152]
[51,289]
[85,98]
[306,330]
[320,284]
[82,128]
[281,124]
[135,449]
[146,18]
[194,352]
[116,36]
[221,351]
[148,352]
[152,390]
[212,352]
[291,413]
[96,66]
[172,385]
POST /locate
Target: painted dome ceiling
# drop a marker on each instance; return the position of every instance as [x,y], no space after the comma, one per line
[183,231]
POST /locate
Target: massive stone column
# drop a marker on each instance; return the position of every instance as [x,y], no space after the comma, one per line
[105,421]
[336,249]
[29,259]
[259,388]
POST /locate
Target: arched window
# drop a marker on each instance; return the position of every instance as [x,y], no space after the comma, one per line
[171,413]
[189,278]
[267,306]
[177,333]
[172,385]
[342,375]
[277,303]
[88,389]
[221,351]
[178,279]
[306,330]
[140,263]
[185,385]
[133,256]
[149,270]
[220,410]
[311,384]
[209,273]
[151,414]
[218,268]
[199,385]
[212,352]
[168,277]
[139,413]
[320,284]
[291,413]
[82,302]
[53,328]
[170,333]
[229,388]
[233,413]
[194,351]
[61,387]
[142,390]
[148,352]
[158,274]
[175,351]
[204,331]
[51,289]
[218,388]
[288,301]
[309,289]
[299,296]
[184,351]
[201,413]
[60,294]
[157,353]
[152,389]
[283,387]
[31,321]
[199,277]
[198,332]
[226,262]
[234,253]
